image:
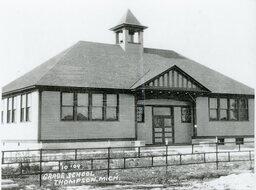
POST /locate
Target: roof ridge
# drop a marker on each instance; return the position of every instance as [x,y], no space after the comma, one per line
[57,62]
[139,79]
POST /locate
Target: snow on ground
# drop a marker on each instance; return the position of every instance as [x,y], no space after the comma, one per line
[243,181]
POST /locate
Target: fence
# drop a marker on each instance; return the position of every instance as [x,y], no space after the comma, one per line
[103,159]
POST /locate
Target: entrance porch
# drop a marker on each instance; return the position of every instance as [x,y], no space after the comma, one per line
[165,121]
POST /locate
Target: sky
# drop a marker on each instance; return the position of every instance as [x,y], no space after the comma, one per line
[220,34]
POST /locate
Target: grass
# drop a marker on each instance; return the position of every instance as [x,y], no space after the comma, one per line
[176,176]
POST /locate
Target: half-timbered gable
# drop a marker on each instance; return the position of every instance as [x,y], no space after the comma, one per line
[176,79]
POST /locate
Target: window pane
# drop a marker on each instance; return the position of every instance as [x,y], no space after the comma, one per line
[8,116]
[15,103]
[67,99]
[97,99]
[239,140]
[213,114]
[140,114]
[29,99]
[223,115]
[23,101]
[82,99]
[22,114]
[167,122]
[243,114]
[233,114]
[162,111]
[14,115]
[28,113]
[9,103]
[2,116]
[82,113]
[233,103]
[67,113]
[223,103]
[213,103]
[243,103]
[111,100]
[185,115]
[97,113]
[111,113]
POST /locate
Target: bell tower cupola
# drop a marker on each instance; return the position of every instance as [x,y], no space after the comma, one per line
[129,33]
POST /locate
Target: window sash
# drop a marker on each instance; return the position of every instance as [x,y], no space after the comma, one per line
[98,107]
[186,116]
[67,117]
[232,112]
[2,117]
[140,114]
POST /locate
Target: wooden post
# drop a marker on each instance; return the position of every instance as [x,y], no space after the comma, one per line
[40,174]
[108,161]
[217,164]
[59,167]
[180,159]
[75,154]
[204,158]
[124,162]
[91,164]
[139,151]
[192,148]
[166,161]
[166,155]
[239,147]
[21,168]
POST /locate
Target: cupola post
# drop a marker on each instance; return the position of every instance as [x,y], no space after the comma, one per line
[129,34]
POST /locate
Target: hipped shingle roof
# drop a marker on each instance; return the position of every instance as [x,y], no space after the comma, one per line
[98,65]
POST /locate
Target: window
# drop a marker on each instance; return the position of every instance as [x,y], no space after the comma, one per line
[243,110]
[233,109]
[2,117]
[82,112]
[9,110]
[223,109]
[213,109]
[239,141]
[221,141]
[14,108]
[97,106]
[140,114]
[185,115]
[111,107]
[2,111]
[23,108]
[89,106]
[28,106]
[228,109]
[67,106]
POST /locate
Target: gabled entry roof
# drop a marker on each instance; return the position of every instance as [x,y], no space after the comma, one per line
[172,79]
[97,65]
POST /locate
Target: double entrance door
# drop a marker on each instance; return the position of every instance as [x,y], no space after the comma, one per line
[163,125]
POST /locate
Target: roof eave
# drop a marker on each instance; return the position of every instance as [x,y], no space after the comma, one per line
[127,25]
